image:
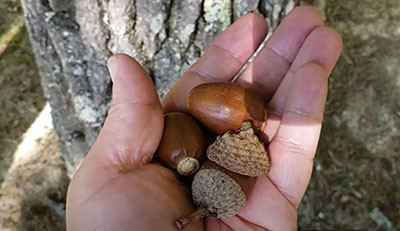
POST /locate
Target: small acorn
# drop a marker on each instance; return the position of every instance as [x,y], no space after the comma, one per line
[182,145]
[217,192]
[224,106]
[240,152]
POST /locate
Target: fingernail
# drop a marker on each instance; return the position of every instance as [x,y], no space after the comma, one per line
[112,64]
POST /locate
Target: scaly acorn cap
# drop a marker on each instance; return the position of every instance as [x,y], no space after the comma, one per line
[240,152]
[217,192]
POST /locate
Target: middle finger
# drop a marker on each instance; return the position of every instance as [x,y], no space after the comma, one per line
[267,70]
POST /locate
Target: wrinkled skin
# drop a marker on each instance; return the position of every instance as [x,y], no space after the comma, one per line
[117,188]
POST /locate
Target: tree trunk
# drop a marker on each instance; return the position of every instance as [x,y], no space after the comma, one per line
[73,39]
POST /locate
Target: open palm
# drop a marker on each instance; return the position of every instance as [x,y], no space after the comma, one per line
[117,188]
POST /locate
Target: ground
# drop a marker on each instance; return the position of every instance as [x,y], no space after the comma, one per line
[33,184]
[21,97]
[355,180]
[355,184]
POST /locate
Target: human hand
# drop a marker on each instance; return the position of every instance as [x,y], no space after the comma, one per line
[117,188]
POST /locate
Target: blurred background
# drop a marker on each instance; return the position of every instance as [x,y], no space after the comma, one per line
[355,183]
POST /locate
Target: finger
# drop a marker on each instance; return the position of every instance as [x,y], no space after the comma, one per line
[130,134]
[239,223]
[268,68]
[215,224]
[293,148]
[268,208]
[221,61]
[134,124]
[323,46]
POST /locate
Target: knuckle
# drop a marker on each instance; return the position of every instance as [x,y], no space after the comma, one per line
[293,146]
[301,113]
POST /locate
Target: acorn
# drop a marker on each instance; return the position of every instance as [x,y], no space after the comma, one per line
[240,152]
[224,106]
[217,192]
[182,145]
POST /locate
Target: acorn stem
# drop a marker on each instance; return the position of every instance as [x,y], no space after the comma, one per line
[197,215]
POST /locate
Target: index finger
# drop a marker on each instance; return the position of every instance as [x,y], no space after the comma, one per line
[223,59]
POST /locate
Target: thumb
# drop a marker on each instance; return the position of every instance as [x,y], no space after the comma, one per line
[129,137]
[133,127]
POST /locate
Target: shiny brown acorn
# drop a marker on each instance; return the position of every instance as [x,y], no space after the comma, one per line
[240,152]
[224,106]
[182,145]
[217,192]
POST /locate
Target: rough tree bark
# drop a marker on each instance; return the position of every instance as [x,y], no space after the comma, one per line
[72,40]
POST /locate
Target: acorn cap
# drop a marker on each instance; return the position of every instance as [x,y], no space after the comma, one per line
[219,193]
[240,152]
